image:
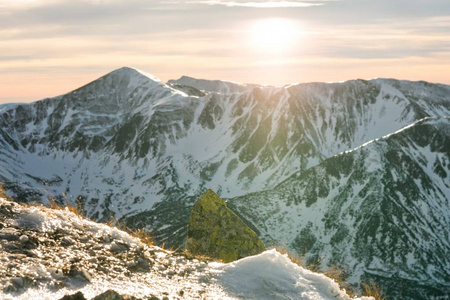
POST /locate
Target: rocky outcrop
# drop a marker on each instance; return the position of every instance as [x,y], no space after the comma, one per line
[217,232]
[47,251]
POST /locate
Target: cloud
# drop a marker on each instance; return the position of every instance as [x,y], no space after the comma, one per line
[266,4]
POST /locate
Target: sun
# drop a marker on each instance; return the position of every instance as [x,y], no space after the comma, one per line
[274,35]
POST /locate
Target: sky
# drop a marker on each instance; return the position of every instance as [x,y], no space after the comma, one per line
[50,47]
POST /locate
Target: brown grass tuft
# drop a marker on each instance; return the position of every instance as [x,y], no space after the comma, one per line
[200,257]
[295,258]
[340,275]
[3,195]
[143,235]
[336,273]
[371,289]
[77,210]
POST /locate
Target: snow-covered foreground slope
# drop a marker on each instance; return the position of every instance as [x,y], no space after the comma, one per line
[380,210]
[47,254]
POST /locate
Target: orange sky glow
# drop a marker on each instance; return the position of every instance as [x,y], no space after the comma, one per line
[51,47]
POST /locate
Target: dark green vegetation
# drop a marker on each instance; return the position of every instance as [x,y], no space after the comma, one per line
[217,232]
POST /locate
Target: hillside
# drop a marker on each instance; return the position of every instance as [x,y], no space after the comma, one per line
[356,163]
[52,253]
[380,210]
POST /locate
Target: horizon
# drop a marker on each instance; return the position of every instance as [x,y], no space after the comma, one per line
[50,47]
[165,82]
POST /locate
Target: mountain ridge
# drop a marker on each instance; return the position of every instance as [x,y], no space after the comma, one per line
[129,147]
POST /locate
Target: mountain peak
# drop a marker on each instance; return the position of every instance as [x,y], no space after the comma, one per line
[130,72]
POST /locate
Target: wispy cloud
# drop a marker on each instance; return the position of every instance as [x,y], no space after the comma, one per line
[265,4]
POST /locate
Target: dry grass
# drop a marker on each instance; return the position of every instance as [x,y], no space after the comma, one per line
[336,273]
[200,257]
[3,195]
[142,233]
[295,258]
[340,275]
[77,210]
[371,289]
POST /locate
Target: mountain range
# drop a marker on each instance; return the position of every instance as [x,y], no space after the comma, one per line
[353,174]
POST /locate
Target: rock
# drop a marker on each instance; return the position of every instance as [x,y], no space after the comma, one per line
[18,281]
[106,239]
[217,232]
[80,273]
[9,235]
[24,238]
[113,295]
[118,247]
[76,296]
[67,241]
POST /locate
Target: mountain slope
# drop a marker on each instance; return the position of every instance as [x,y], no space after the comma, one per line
[131,147]
[127,145]
[381,210]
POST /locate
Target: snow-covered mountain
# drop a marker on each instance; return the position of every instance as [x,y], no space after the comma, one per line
[130,146]
[380,210]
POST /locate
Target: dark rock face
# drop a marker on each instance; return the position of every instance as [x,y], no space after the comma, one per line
[113,295]
[216,231]
[76,296]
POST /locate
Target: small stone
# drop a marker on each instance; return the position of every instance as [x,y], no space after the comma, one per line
[9,236]
[84,239]
[76,296]
[85,274]
[131,264]
[24,238]
[66,241]
[181,261]
[79,273]
[118,247]
[202,265]
[18,281]
[162,267]
[93,260]
[10,289]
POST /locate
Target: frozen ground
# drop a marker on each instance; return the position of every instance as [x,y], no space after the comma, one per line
[46,254]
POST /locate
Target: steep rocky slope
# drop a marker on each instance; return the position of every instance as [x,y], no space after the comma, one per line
[380,210]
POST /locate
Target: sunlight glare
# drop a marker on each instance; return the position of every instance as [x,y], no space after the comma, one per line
[274,35]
